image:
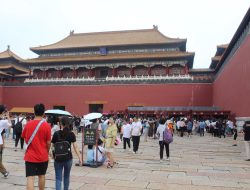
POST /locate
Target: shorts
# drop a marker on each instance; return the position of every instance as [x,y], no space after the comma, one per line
[36,169]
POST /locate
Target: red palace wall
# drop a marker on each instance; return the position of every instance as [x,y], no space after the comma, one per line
[231,89]
[115,97]
[1,95]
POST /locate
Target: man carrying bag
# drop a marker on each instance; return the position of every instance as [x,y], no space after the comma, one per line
[37,135]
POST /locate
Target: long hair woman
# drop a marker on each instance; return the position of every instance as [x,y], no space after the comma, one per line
[111,133]
[63,164]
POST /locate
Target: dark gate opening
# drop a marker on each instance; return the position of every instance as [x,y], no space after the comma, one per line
[59,107]
[96,108]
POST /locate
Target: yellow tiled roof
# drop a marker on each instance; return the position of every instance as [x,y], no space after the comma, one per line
[115,38]
[111,57]
[8,66]
[8,53]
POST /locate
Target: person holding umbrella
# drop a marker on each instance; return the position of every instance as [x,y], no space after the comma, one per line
[110,138]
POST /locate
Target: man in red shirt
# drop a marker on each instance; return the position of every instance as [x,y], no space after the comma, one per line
[37,153]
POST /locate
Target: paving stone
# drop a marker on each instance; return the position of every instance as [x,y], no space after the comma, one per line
[197,163]
[121,183]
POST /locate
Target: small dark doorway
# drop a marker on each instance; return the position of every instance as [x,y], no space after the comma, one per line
[96,108]
[59,107]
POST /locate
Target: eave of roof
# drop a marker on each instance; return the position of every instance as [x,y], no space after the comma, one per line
[114,38]
[235,38]
[201,70]
[9,66]
[111,57]
[9,54]
[4,73]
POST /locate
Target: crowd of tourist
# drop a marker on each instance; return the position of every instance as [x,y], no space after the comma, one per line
[38,132]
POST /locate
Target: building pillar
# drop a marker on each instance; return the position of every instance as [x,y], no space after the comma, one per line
[167,70]
[186,69]
[149,70]
[29,73]
[114,72]
[132,71]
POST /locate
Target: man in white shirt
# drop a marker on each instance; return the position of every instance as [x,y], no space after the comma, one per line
[126,130]
[136,133]
[5,123]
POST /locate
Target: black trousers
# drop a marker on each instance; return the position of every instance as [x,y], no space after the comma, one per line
[126,141]
[18,136]
[162,144]
[136,142]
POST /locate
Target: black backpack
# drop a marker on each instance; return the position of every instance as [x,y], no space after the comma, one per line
[18,126]
[62,149]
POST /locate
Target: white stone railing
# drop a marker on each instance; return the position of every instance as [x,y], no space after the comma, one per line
[134,78]
[58,80]
[167,77]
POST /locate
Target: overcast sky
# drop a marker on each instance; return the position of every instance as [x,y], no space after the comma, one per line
[205,23]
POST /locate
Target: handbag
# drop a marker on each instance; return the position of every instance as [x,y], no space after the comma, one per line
[34,133]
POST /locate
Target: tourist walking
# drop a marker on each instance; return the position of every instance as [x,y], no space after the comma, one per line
[37,135]
[246,130]
[64,138]
[160,130]
[110,138]
[20,121]
[5,123]
[136,133]
[145,130]
[126,130]
[235,135]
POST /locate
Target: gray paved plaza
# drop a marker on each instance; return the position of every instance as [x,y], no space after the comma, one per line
[196,163]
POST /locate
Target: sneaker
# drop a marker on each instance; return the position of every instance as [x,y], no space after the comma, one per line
[6,174]
[234,145]
[129,149]
[167,159]
[134,152]
[161,160]
[247,160]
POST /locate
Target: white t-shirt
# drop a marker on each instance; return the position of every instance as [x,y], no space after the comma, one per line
[136,128]
[4,124]
[126,129]
[99,154]
[160,129]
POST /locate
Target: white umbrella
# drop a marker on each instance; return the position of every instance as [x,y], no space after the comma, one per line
[87,122]
[57,112]
[92,116]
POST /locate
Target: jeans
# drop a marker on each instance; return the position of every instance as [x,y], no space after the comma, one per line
[126,141]
[162,144]
[59,167]
[18,136]
[136,142]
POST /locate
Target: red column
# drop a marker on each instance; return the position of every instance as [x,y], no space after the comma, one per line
[149,71]
[74,73]
[114,72]
[90,73]
[186,69]
[167,70]
[59,73]
[132,71]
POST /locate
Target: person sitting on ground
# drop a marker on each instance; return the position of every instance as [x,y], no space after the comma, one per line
[90,154]
[101,153]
